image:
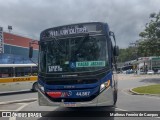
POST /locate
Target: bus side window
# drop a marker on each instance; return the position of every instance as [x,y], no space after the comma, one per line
[27,71]
[6,72]
[11,72]
[18,71]
[34,71]
[0,72]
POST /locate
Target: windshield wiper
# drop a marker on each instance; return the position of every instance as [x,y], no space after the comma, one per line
[81,44]
[57,44]
[83,40]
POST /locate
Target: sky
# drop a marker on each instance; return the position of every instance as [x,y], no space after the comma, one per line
[126,18]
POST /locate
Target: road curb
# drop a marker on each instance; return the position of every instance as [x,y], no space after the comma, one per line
[136,93]
[19,101]
[14,92]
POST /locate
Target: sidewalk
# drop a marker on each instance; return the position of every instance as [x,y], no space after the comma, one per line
[134,76]
[15,87]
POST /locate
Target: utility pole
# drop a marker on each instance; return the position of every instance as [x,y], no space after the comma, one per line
[1,40]
[136,46]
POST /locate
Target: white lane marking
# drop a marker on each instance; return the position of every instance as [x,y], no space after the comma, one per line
[123,91]
[23,105]
[120,109]
[12,118]
[20,108]
[6,110]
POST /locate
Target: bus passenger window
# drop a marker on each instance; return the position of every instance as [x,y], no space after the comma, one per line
[34,71]
[27,71]
[6,72]
[22,71]
[18,71]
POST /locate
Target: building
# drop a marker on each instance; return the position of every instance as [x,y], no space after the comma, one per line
[148,63]
[15,48]
[142,65]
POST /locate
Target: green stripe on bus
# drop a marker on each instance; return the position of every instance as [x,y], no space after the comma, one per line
[90,64]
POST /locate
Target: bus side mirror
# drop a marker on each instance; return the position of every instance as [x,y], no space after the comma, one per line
[116,50]
[30,52]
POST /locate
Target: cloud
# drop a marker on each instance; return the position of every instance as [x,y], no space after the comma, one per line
[125,17]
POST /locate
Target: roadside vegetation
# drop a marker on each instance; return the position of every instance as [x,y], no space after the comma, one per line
[147,45]
[151,89]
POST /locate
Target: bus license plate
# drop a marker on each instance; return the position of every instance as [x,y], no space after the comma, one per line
[69,104]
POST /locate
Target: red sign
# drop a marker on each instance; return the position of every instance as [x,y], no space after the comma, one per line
[59,94]
[55,94]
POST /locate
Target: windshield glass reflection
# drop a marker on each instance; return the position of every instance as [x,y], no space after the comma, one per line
[86,53]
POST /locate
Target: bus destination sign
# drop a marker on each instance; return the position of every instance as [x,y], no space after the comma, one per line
[72,29]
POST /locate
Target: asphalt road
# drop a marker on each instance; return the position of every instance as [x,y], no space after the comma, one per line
[126,102]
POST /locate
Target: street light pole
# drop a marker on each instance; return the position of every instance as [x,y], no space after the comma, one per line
[136,46]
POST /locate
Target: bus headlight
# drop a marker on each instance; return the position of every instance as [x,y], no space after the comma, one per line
[105,85]
[41,87]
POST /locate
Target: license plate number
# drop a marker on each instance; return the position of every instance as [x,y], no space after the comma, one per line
[69,104]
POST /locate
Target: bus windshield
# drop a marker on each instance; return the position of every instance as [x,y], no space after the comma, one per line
[78,54]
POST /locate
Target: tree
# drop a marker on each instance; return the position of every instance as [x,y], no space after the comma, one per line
[127,54]
[149,44]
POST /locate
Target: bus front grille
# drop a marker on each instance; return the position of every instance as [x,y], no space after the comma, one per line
[70,82]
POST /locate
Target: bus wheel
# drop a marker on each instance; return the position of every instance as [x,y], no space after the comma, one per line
[34,87]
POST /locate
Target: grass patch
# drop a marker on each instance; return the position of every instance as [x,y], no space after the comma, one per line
[151,89]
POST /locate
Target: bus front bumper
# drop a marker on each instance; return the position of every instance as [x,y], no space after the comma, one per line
[105,98]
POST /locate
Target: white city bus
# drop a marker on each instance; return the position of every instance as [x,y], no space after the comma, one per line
[16,77]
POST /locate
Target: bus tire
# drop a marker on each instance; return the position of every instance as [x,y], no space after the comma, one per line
[34,87]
